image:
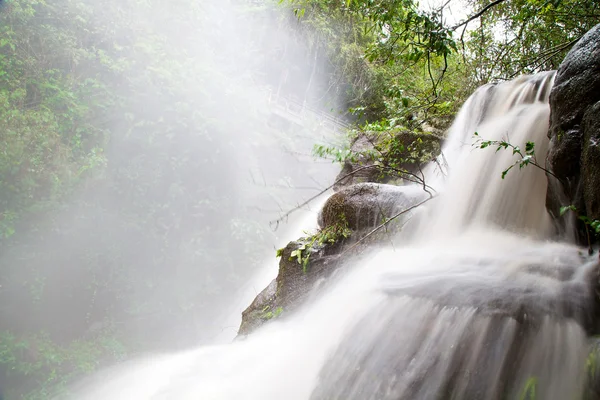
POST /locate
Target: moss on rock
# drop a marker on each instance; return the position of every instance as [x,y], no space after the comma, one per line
[383,156]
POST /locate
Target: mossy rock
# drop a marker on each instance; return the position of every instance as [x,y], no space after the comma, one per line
[401,149]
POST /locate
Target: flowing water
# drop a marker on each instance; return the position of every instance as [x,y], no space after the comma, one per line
[481,302]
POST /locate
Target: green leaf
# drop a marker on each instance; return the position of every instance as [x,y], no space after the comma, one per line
[298,255]
[506,171]
[564,209]
[529,147]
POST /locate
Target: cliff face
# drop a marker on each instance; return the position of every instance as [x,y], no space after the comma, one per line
[574,155]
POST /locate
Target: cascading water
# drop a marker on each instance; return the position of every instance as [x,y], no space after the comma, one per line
[480,305]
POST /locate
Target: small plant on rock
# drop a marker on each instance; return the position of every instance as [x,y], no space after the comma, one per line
[328,235]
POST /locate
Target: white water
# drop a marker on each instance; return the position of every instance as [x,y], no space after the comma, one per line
[306,222]
[480,305]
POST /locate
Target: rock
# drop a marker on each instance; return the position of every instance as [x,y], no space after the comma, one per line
[257,313]
[363,169]
[293,284]
[590,161]
[366,205]
[349,215]
[403,149]
[359,208]
[574,155]
[295,281]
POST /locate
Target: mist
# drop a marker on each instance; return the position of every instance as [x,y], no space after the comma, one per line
[198,147]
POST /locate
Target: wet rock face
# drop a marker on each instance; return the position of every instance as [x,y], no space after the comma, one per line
[366,205]
[574,154]
[294,283]
[261,310]
[590,159]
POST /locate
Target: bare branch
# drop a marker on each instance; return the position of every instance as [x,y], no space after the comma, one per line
[384,224]
[478,14]
[299,206]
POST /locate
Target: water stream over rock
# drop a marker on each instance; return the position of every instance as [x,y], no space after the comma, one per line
[477,300]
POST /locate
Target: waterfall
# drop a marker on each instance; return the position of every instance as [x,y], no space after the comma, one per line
[475,193]
[481,303]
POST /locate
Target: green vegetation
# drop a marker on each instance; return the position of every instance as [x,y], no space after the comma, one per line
[412,67]
[52,365]
[328,235]
[120,179]
[267,314]
[527,157]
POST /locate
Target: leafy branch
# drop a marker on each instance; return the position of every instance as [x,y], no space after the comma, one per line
[527,156]
[391,160]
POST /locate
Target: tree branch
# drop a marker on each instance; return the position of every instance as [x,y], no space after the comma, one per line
[299,206]
[384,224]
[477,15]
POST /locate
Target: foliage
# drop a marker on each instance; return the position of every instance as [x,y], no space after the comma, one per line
[53,365]
[48,141]
[118,159]
[326,236]
[394,153]
[498,40]
[526,36]
[390,56]
[527,156]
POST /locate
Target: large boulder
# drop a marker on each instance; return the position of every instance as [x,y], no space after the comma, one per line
[367,205]
[295,281]
[574,155]
[374,152]
[345,220]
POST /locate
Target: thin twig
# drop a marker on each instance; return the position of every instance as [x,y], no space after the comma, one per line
[477,15]
[382,225]
[299,206]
